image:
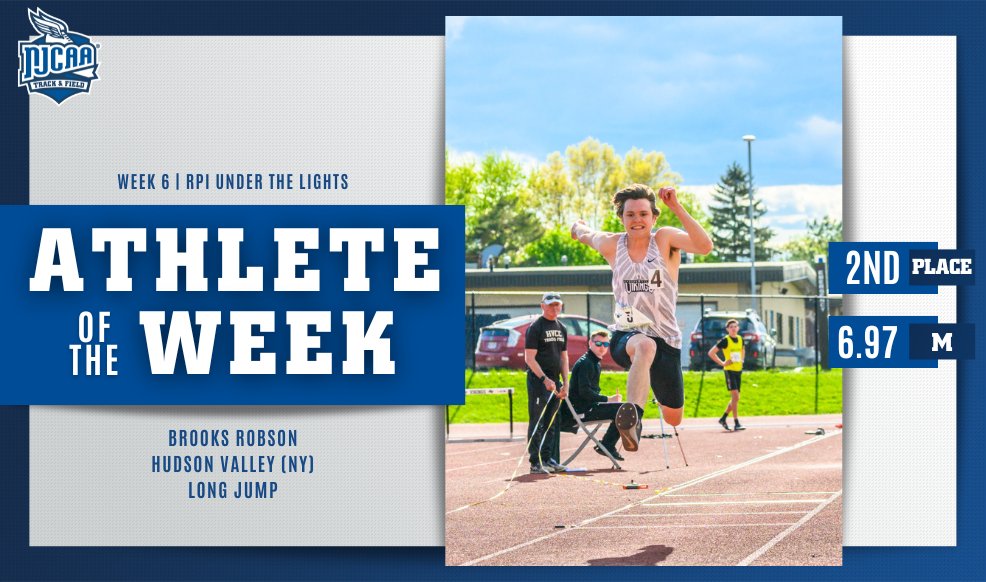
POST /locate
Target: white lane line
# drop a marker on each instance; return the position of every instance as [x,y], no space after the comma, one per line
[721,513]
[749,559]
[503,460]
[648,429]
[483,450]
[717,427]
[781,501]
[752,493]
[684,485]
[700,525]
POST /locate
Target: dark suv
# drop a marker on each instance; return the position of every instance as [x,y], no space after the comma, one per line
[760,345]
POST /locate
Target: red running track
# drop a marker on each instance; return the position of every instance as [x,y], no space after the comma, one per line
[769,495]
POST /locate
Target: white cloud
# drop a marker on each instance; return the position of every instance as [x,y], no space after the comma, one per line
[789,208]
[454,26]
[814,138]
[819,127]
[795,219]
[809,199]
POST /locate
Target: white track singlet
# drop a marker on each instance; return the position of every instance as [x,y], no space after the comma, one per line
[645,295]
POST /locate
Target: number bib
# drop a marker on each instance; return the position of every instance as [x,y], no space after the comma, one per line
[629,317]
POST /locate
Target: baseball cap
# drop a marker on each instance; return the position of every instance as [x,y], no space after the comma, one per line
[551,297]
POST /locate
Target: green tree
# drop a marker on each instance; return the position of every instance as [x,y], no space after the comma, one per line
[461,182]
[816,242]
[730,221]
[552,191]
[498,205]
[548,250]
[596,173]
[650,168]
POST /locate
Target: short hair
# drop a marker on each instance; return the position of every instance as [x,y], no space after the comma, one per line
[731,321]
[635,192]
[599,333]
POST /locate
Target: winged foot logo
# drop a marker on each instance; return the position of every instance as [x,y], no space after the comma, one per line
[58,64]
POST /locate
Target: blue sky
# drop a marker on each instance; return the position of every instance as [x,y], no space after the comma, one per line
[690,87]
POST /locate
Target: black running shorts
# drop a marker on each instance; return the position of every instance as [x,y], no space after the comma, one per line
[665,373]
[733,378]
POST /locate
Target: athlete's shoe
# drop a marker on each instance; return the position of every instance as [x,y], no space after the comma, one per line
[736,426]
[612,452]
[722,421]
[537,468]
[555,466]
[627,422]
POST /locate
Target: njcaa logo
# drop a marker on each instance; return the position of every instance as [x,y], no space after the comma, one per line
[58,64]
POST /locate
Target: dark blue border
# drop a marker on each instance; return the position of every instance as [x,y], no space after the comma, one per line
[961,19]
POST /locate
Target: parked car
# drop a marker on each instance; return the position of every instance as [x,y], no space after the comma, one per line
[760,346]
[501,344]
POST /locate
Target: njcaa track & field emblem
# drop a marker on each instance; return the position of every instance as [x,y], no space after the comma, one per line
[58,64]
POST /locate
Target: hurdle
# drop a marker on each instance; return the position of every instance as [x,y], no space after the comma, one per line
[510,398]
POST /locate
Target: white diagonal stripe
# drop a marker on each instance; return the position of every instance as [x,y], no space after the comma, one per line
[749,559]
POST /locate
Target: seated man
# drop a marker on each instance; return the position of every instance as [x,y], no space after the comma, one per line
[584,393]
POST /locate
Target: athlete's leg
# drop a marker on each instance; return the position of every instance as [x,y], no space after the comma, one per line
[734,401]
[667,383]
[731,387]
[672,416]
[641,350]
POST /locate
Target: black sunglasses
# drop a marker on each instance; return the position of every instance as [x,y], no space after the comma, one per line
[601,344]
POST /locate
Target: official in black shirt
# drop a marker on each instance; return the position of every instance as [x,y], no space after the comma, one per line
[585,394]
[546,355]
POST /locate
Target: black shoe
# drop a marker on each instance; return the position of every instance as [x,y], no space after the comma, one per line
[736,426]
[612,452]
[555,466]
[538,469]
[722,421]
[627,421]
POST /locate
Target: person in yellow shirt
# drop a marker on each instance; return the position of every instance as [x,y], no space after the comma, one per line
[732,363]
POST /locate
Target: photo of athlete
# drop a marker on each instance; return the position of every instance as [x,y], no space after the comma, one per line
[732,365]
[645,184]
[646,337]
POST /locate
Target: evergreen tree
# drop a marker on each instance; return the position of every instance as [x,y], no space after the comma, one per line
[731,220]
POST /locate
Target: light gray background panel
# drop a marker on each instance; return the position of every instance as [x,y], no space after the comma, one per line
[372,107]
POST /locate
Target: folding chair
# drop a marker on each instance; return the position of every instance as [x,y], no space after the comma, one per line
[590,435]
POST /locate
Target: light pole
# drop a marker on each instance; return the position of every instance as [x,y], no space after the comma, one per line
[753,253]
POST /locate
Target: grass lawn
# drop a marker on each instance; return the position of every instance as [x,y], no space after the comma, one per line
[773,392]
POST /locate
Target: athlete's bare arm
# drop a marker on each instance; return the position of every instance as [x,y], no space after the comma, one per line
[603,242]
[693,239]
[714,354]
